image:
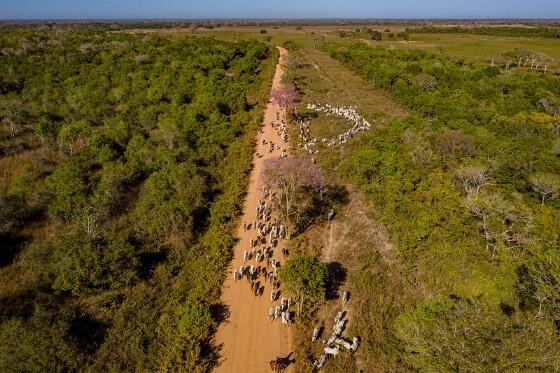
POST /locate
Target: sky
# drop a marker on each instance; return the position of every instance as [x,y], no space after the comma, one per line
[190,9]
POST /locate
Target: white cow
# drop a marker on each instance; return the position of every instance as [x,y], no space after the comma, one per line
[338,328]
[341,342]
[332,350]
[355,344]
[315,334]
[345,297]
[330,341]
[320,362]
[339,316]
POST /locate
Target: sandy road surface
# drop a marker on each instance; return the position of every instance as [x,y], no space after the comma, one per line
[248,340]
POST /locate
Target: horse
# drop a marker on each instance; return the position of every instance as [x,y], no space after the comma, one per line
[278,366]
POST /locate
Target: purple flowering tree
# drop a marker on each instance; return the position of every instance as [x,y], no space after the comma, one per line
[285,96]
[295,182]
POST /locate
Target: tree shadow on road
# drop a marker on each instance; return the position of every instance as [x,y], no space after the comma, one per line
[220,312]
[213,352]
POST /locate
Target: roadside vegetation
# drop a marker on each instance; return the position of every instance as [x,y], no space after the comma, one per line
[123,163]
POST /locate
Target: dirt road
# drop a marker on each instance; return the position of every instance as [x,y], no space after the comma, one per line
[248,340]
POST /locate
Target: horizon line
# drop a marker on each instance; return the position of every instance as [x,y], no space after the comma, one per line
[276,19]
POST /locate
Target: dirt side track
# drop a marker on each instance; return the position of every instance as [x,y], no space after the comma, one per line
[248,340]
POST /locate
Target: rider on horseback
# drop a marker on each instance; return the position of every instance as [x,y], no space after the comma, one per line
[278,365]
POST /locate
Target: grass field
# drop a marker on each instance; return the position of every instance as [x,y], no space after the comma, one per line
[481,47]
[476,47]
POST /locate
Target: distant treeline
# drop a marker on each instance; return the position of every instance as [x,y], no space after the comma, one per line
[418,25]
[536,32]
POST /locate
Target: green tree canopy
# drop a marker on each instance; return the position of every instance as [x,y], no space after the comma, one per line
[305,277]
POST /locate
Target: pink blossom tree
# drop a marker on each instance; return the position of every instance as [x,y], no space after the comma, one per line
[295,182]
[285,96]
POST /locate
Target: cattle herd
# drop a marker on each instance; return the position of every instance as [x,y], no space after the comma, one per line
[335,342]
[258,262]
[359,124]
[282,131]
[259,265]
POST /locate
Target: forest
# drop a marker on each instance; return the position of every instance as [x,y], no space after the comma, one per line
[467,185]
[123,161]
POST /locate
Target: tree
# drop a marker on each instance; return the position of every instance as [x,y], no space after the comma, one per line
[551,106]
[73,136]
[319,42]
[505,224]
[11,114]
[472,178]
[538,285]
[44,130]
[375,35]
[546,185]
[68,188]
[455,144]
[294,180]
[285,96]
[426,82]
[86,265]
[37,344]
[444,334]
[166,203]
[293,61]
[305,277]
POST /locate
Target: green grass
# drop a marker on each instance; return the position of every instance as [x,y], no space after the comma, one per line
[481,47]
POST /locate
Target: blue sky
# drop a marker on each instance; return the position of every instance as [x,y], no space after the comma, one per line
[88,9]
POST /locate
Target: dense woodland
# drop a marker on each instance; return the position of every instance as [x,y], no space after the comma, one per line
[468,187]
[123,162]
